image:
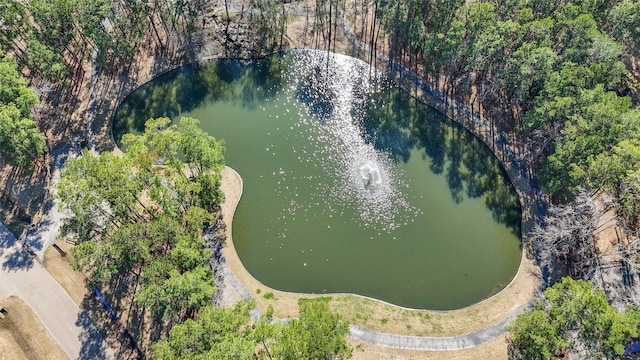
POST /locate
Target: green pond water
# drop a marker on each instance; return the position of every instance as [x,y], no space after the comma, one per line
[350,185]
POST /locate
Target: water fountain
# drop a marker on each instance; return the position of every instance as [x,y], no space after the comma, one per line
[370,174]
[334,199]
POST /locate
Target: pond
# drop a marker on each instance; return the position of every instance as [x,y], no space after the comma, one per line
[350,185]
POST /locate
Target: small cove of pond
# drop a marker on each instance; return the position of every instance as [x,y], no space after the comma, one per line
[442,230]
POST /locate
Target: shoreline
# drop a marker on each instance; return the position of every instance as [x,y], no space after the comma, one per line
[509,300]
[105,93]
[380,316]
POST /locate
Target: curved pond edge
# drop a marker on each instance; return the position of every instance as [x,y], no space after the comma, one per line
[472,318]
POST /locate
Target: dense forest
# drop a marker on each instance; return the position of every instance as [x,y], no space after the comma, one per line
[154,222]
[21,142]
[552,72]
[558,79]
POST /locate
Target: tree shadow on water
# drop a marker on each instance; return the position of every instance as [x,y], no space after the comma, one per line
[386,121]
[315,93]
[262,80]
[430,136]
[454,170]
[486,178]
[166,96]
[401,125]
[191,87]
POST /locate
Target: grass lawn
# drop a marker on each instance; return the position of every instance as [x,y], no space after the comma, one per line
[23,336]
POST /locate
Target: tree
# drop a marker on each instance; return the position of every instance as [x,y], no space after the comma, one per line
[101,193]
[317,334]
[168,145]
[21,142]
[107,191]
[630,200]
[594,124]
[177,294]
[223,333]
[573,316]
[216,333]
[534,335]
[13,26]
[46,61]
[618,173]
[201,151]
[53,38]
[204,155]
[567,237]
[624,21]
[15,88]
[140,213]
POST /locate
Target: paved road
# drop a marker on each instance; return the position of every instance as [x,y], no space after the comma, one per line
[26,278]
[23,275]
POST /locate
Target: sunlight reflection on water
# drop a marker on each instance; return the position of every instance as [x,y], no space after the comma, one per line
[327,87]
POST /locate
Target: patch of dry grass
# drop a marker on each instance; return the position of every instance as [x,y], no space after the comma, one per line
[131,337]
[58,265]
[11,343]
[494,350]
[23,336]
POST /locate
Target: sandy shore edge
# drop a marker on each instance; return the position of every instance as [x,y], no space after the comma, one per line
[513,297]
